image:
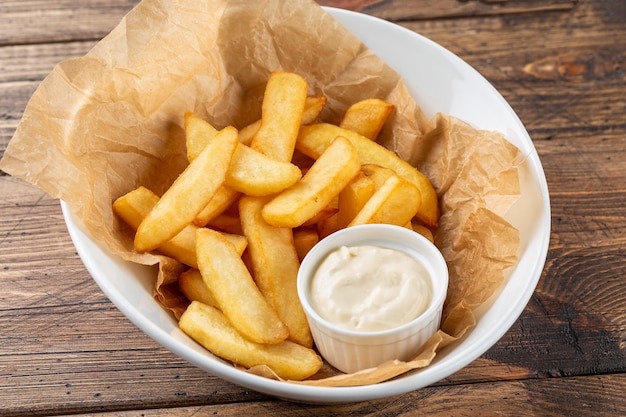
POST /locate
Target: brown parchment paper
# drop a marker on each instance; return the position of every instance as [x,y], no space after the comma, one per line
[101,125]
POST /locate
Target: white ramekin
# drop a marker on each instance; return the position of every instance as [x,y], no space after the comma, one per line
[350,351]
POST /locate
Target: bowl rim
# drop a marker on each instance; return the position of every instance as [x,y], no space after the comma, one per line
[92,252]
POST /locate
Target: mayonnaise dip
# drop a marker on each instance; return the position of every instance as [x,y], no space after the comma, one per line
[370,288]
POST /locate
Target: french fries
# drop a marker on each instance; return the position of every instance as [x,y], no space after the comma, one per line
[189,194]
[332,171]
[367,117]
[313,107]
[228,279]
[275,263]
[313,140]
[192,285]
[134,206]
[281,115]
[214,331]
[250,172]
[396,201]
[252,203]
[353,197]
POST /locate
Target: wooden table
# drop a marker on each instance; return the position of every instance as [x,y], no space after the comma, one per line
[65,349]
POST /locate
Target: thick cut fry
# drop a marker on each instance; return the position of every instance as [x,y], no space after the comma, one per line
[332,171]
[227,223]
[395,202]
[377,174]
[237,295]
[353,197]
[208,326]
[325,213]
[304,239]
[423,230]
[313,139]
[281,115]
[198,133]
[250,172]
[367,117]
[275,266]
[256,174]
[189,193]
[313,107]
[134,206]
[191,284]
[223,198]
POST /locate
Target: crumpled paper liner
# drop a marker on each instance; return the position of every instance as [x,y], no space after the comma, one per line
[101,125]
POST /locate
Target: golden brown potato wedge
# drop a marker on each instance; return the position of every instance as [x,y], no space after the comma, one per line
[281,115]
[198,133]
[304,239]
[223,198]
[189,193]
[313,139]
[228,279]
[423,230]
[275,267]
[209,327]
[191,284]
[367,117]
[395,202]
[353,197]
[134,206]
[313,107]
[253,173]
[250,172]
[330,173]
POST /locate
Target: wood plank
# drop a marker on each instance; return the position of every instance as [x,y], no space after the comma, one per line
[581,396]
[404,10]
[38,21]
[23,68]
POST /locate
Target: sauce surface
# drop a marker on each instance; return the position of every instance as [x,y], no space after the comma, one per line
[370,288]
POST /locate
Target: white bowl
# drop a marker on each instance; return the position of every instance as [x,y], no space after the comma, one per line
[446,84]
[350,350]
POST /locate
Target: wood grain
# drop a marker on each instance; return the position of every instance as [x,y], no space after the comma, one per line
[546,398]
[65,349]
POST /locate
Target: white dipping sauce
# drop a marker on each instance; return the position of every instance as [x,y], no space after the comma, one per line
[370,288]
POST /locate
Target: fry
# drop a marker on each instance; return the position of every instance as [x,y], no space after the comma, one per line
[332,171]
[395,202]
[134,206]
[377,174]
[223,198]
[313,107]
[367,117]
[209,327]
[304,239]
[327,226]
[191,284]
[353,197]
[275,264]
[189,193]
[237,295]
[423,230]
[281,115]
[313,139]
[198,133]
[227,223]
[253,173]
[250,172]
